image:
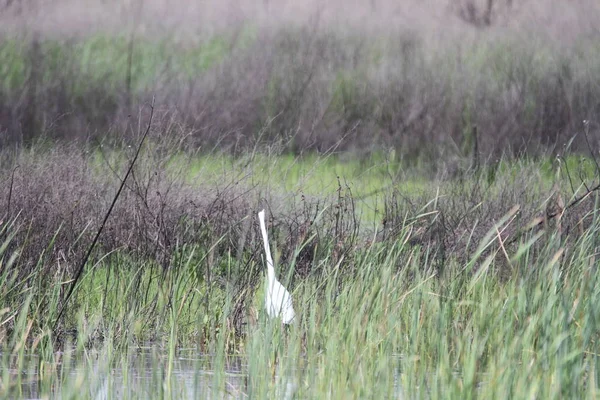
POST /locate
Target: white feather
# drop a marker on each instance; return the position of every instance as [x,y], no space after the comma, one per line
[278,301]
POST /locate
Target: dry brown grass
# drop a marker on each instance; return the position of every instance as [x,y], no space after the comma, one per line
[60,196]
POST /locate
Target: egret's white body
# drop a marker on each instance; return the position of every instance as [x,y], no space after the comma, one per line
[278,301]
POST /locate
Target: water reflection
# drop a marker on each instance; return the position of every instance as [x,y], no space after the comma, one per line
[188,376]
[147,373]
[150,373]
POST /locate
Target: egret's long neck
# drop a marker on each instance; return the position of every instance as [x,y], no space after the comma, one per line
[263,230]
[270,273]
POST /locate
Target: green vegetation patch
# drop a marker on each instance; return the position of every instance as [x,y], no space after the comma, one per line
[106,60]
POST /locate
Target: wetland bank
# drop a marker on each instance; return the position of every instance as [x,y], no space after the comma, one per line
[429,173]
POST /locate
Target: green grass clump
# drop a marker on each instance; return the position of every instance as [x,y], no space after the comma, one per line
[107,61]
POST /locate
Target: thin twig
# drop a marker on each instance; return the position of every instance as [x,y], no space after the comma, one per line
[554,215]
[89,252]
[560,158]
[12,181]
[587,141]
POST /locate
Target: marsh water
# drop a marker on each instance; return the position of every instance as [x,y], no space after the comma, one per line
[148,374]
[145,374]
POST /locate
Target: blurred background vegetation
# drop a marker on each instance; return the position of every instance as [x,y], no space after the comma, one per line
[423,78]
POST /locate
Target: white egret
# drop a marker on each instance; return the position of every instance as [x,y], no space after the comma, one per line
[278,300]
